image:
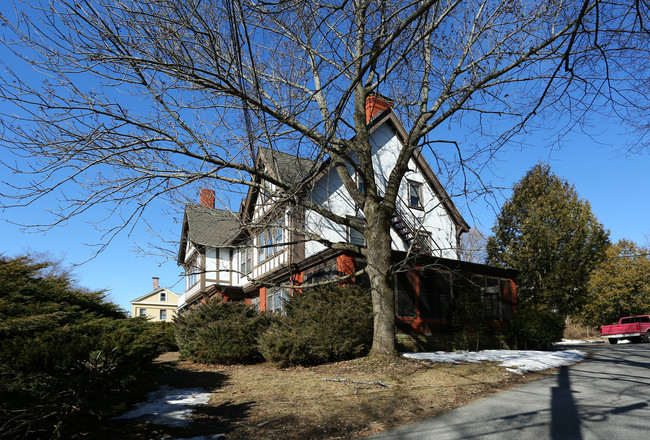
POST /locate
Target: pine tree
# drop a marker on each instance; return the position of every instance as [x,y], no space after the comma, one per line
[547,232]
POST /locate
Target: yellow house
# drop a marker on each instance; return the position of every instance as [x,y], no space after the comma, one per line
[161,304]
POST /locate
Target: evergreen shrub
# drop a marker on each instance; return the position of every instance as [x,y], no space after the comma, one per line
[67,355]
[329,324]
[533,329]
[220,332]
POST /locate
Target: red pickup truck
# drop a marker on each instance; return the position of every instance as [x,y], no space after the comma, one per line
[632,328]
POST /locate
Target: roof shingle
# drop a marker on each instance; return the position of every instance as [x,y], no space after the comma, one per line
[211,227]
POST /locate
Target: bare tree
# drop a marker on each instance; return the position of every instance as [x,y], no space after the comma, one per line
[137,99]
[473,246]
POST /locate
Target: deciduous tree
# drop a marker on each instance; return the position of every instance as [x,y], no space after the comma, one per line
[131,100]
[547,232]
[619,285]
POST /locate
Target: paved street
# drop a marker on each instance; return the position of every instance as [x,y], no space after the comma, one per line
[606,397]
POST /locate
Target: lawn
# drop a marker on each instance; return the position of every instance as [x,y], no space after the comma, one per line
[347,400]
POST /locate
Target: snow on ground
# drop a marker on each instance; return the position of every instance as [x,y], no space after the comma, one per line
[169,406]
[580,341]
[517,361]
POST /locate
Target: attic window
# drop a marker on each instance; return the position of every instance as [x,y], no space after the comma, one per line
[163,296]
[415,194]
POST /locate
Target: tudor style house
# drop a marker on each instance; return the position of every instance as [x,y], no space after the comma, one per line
[259,255]
[161,304]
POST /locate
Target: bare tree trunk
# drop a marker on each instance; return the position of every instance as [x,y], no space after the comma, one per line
[378,256]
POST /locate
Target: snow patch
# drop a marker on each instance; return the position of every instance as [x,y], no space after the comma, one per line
[580,341]
[517,361]
[169,406]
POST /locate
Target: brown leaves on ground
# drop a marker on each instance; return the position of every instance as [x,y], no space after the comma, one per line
[344,400]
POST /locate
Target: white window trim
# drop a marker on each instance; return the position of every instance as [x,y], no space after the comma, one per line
[420,186]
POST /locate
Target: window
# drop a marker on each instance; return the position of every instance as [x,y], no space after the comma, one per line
[269,243]
[255,303]
[278,236]
[163,296]
[406,305]
[260,249]
[360,184]
[275,299]
[415,194]
[327,273]
[507,298]
[143,312]
[163,315]
[246,258]
[492,291]
[354,236]
[193,272]
[434,298]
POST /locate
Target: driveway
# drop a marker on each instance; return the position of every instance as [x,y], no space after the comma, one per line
[606,397]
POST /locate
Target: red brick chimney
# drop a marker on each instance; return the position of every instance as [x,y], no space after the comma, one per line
[155,283]
[207,197]
[376,104]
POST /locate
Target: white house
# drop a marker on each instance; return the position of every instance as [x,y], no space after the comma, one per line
[259,254]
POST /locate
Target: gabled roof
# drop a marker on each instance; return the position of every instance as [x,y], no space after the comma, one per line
[288,168]
[293,170]
[389,117]
[158,290]
[205,226]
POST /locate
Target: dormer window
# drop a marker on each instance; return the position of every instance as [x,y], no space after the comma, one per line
[414,194]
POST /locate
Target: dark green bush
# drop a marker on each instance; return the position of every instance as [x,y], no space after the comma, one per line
[326,325]
[533,329]
[167,340]
[220,332]
[66,354]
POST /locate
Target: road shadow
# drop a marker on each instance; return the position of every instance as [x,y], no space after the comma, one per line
[565,420]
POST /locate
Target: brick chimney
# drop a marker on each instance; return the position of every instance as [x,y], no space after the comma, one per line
[207,197]
[376,104]
[155,283]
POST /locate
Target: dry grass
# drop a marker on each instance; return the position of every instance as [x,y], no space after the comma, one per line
[343,400]
[575,330]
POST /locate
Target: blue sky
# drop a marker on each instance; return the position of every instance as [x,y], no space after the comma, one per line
[616,185]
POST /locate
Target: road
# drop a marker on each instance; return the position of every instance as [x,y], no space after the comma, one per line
[606,397]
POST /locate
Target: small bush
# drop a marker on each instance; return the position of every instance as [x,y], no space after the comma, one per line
[326,325]
[533,329]
[220,332]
